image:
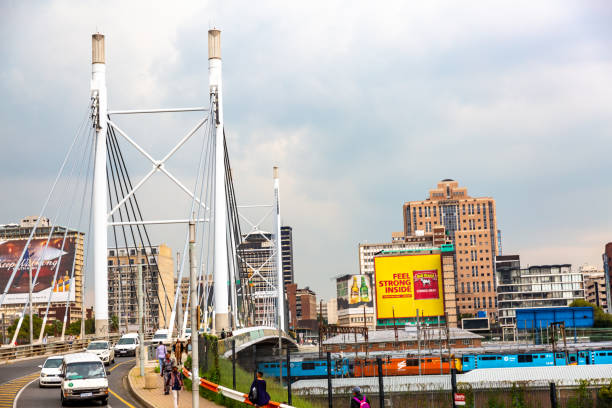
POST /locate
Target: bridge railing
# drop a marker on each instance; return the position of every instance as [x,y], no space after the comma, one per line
[8,353]
[246,337]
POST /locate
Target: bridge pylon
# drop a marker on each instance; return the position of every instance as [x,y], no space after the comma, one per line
[100,198]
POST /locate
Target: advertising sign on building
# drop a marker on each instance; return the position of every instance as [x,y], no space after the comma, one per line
[354,291]
[48,258]
[406,283]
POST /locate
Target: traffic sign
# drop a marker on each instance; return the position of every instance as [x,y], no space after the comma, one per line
[459,399]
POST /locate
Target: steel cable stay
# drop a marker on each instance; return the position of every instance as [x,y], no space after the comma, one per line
[177,294]
[115,170]
[206,237]
[44,206]
[206,152]
[233,236]
[139,217]
[149,270]
[88,147]
[52,228]
[72,280]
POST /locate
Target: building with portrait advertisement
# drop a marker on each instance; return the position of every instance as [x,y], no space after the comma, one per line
[60,274]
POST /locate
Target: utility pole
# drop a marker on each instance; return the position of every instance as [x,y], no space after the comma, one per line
[195,362]
[418,340]
[100,197]
[30,301]
[140,320]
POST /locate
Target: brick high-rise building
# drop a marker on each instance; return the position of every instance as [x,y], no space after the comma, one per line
[471,225]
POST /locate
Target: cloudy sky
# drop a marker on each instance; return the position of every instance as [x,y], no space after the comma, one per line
[363,105]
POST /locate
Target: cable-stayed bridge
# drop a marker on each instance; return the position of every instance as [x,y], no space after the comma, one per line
[99,213]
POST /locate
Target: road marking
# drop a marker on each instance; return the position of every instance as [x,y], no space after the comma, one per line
[10,399]
[113,392]
[118,364]
[120,399]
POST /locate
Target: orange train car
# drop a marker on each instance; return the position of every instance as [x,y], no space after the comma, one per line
[403,366]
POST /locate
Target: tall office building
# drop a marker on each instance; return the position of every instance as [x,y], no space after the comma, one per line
[60,259]
[534,286]
[158,284]
[471,224]
[594,286]
[607,263]
[258,269]
[287,253]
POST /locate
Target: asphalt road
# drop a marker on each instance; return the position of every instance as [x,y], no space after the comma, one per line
[10,371]
[33,396]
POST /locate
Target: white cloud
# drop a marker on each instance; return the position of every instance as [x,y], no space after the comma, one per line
[362,105]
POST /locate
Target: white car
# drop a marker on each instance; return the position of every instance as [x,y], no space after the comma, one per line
[102,349]
[50,371]
[163,336]
[83,378]
[127,345]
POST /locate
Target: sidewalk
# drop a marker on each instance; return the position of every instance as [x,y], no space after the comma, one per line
[155,398]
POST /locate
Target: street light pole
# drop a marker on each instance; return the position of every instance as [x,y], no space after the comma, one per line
[140,320]
[195,363]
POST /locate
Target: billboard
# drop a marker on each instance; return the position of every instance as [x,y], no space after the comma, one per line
[406,283]
[354,291]
[48,259]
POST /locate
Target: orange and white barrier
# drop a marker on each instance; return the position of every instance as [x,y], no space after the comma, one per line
[233,394]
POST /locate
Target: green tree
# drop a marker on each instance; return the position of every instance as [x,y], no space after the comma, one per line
[24,332]
[604,396]
[602,319]
[114,323]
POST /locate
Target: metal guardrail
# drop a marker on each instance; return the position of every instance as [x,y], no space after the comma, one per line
[8,353]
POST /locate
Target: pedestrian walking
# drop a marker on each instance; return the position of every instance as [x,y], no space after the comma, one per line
[258,394]
[358,400]
[168,363]
[160,353]
[176,383]
[178,351]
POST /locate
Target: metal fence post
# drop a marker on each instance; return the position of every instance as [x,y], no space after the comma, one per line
[234,364]
[254,361]
[329,381]
[381,390]
[289,400]
[553,395]
[453,379]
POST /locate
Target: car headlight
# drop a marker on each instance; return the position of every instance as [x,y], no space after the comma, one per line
[43,375]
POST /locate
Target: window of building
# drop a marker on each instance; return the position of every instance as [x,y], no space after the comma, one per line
[420,211]
[110,263]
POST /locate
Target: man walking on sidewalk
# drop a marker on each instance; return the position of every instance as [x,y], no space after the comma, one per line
[166,370]
[160,353]
[176,383]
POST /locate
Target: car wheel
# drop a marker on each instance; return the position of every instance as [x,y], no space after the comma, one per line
[39,384]
[104,401]
[64,402]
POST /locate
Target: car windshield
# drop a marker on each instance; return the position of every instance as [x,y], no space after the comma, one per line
[53,363]
[92,369]
[98,346]
[188,330]
[160,336]
[128,340]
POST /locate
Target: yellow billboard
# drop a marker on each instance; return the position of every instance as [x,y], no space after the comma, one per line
[405,283]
